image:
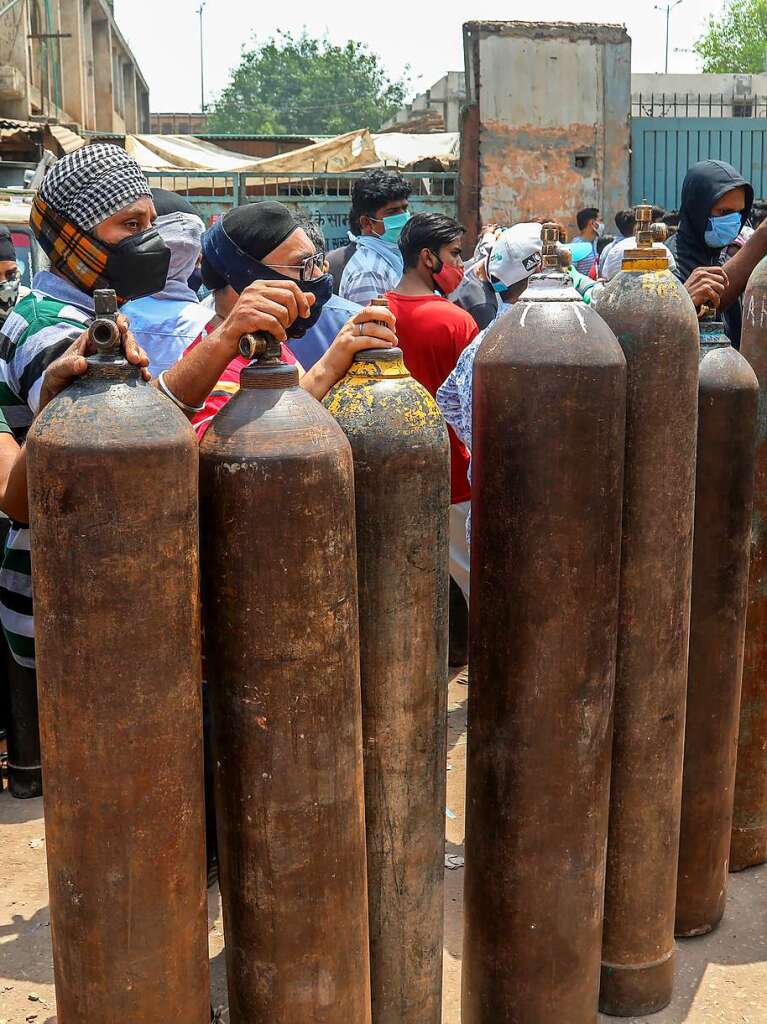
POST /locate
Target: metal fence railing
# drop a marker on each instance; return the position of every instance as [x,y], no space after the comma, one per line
[665,104]
[324,197]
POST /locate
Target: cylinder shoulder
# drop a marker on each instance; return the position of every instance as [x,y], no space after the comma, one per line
[726,368]
[92,414]
[555,333]
[631,294]
[399,406]
[757,282]
[651,313]
[257,424]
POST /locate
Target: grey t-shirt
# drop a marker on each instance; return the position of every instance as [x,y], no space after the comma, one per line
[478,298]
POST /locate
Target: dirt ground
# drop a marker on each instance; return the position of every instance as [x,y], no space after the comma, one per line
[720,978]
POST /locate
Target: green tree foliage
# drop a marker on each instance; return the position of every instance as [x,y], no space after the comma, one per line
[736,41]
[304,86]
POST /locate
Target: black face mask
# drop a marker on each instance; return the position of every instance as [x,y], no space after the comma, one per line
[138,265]
[195,280]
[322,289]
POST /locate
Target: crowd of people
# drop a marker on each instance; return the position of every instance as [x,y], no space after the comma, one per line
[188,294]
[261,267]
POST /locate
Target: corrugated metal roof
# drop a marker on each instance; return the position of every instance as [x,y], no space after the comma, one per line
[9,128]
[68,140]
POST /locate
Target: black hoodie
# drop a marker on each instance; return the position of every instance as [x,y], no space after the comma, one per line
[704,184]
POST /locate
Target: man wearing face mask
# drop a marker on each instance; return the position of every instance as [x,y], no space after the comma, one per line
[380,207]
[432,334]
[92,217]
[263,245]
[716,202]
[455,396]
[165,323]
[10,275]
[590,228]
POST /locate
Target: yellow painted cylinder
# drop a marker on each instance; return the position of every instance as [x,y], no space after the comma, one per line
[402,491]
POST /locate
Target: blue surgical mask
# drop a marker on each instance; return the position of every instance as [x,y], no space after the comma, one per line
[499,286]
[723,230]
[393,226]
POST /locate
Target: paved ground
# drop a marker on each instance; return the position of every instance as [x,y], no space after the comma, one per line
[721,978]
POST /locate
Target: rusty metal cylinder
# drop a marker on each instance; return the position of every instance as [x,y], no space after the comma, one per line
[727,407]
[748,844]
[113,523]
[655,322]
[281,633]
[402,487]
[547,467]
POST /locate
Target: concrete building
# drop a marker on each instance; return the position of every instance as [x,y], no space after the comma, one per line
[176,122]
[66,60]
[546,127]
[699,95]
[445,99]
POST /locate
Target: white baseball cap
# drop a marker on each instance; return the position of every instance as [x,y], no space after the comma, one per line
[516,254]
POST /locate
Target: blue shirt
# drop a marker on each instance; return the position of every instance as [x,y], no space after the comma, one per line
[587,262]
[454,397]
[375,269]
[164,326]
[318,339]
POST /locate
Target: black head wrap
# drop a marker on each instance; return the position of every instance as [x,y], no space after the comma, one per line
[166,202]
[242,238]
[234,248]
[7,250]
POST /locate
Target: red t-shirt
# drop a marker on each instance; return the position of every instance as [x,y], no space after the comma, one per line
[432,334]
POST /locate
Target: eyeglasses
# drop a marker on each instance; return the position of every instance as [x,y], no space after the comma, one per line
[307,268]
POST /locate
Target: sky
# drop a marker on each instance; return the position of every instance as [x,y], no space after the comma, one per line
[164,34]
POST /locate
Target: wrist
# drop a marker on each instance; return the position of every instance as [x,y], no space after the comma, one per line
[228,336]
[319,380]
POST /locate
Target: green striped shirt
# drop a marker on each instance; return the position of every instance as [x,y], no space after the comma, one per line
[38,330]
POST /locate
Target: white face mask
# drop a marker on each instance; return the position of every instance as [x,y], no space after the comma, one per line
[9,293]
[600,228]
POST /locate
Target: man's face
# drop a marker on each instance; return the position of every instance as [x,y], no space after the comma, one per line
[288,258]
[294,257]
[9,270]
[449,254]
[733,201]
[131,220]
[374,225]
[595,223]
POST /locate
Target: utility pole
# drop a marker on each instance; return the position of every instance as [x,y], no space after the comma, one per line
[202,60]
[668,8]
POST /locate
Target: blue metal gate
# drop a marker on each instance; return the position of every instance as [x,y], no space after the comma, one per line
[662,148]
[323,197]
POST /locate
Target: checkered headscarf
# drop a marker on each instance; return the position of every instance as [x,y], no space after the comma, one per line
[89,185]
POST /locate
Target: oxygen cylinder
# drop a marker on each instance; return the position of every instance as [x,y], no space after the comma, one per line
[282,644]
[727,399]
[547,469]
[25,774]
[402,487]
[113,522]
[748,845]
[655,322]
